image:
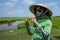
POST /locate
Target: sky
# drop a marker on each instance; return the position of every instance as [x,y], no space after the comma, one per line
[20,8]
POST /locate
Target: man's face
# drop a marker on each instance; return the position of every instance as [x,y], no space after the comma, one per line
[38,13]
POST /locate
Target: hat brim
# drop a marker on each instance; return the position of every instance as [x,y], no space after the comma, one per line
[33,7]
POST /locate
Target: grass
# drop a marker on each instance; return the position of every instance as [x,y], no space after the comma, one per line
[4,20]
[20,26]
[55,33]
[56,22]
[21,33]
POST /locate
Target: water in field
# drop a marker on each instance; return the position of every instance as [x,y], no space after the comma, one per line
[8,26]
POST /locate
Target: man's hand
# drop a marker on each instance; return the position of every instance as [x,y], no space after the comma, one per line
[26,22]
[33,20]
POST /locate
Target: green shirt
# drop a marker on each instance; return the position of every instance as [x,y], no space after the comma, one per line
[44,25]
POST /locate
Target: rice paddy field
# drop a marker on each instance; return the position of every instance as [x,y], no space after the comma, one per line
[21,33]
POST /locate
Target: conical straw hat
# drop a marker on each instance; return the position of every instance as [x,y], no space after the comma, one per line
[32,7]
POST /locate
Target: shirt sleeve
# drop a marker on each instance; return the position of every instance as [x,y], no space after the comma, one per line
[48,26]
[30,29]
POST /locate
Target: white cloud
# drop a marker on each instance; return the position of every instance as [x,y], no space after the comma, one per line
[56,13]
[10,3]
[52,4]
[18,13]
[14,13]
[28,2]
[55,8]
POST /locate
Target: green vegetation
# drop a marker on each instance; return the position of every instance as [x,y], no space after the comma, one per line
[55,33]
[20,26]
[21,33]
[10,20]
[56,22]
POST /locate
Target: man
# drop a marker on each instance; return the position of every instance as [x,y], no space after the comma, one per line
[41,24]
